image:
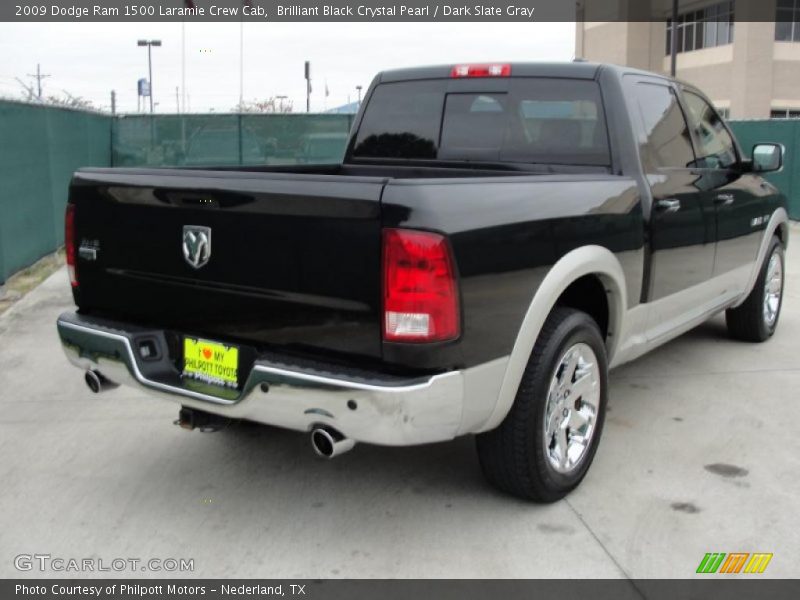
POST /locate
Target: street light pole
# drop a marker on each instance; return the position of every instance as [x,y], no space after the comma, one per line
[308,86]
[150,74]
[150,44]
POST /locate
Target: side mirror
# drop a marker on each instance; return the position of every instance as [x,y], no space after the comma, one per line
[767,158]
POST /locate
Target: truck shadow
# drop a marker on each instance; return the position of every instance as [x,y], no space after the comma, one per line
[263,462]
[447,469]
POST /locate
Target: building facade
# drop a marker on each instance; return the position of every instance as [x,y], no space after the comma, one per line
[749,68]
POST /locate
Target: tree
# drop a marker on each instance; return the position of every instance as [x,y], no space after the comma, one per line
[68,100]
[65,99]
[274,104]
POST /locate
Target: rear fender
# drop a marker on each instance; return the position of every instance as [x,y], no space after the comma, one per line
[586,260]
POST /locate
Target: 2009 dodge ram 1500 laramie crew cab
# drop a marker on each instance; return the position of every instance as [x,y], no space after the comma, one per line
[496,237]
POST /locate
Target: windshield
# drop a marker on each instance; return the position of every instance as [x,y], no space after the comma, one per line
[536,120]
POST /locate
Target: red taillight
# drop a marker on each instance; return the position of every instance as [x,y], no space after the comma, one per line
[69,244]
[420,293]
[492,70]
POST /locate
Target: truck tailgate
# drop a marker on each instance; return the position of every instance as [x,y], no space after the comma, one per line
[294,259]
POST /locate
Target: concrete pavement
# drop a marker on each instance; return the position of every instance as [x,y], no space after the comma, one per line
[700,454]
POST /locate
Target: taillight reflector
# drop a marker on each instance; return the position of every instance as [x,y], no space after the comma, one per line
[69,244]
[491,70]
[420,292]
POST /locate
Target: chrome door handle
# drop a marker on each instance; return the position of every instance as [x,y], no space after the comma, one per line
[723,199]
[668,206]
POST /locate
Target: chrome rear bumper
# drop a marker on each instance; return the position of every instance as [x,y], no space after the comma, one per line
[379,410]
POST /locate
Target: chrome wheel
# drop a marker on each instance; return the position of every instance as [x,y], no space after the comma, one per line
[573,401]
[773,287]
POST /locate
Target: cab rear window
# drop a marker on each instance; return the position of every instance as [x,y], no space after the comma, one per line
[536,120]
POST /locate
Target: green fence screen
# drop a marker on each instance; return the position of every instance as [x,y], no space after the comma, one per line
[782,131]
[40,148]
[247,139]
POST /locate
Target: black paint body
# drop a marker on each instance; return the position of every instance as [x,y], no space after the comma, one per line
[296,266]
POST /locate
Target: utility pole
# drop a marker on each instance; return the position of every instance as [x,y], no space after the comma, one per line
[183,59]
[38,77]
[673,40]
[358,87]
[113,102]
[178,98]
[241,64]
[248,4]
[308,86]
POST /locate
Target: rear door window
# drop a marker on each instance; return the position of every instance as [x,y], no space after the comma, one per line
[669,143]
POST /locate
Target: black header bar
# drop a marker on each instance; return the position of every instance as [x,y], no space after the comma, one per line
[713,587]
[363,10]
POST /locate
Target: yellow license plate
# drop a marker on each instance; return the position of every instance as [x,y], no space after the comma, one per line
[211,362]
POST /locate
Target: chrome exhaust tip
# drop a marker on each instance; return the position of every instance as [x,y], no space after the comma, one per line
[328,442]
[96,382]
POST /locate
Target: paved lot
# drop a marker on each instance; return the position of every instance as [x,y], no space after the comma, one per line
[700,454]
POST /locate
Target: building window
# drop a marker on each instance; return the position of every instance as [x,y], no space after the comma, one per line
[704,28]
[787,21]
[784,113]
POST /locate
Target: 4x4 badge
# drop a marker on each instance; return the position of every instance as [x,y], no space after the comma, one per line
[196,245]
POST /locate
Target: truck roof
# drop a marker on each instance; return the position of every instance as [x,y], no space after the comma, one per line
[578,69]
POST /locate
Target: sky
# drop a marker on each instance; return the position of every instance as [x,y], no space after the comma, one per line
[89,60]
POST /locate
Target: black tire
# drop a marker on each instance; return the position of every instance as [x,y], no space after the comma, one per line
[748,322]
[513,456]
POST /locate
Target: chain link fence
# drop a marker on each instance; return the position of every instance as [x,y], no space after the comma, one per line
[229,140]
[42,146]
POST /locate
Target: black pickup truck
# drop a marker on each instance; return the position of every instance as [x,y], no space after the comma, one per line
[496,238]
